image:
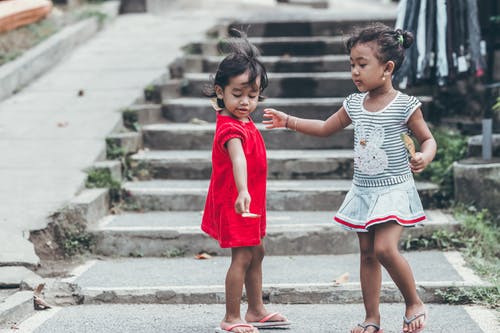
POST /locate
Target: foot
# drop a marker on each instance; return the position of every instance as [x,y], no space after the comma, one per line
[268,317]
[238,327]
[414,319]
[367,327]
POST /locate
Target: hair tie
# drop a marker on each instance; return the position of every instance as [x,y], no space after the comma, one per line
[401,39]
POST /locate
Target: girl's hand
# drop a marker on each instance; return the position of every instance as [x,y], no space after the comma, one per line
[418,163]
[277,118]
[242,203]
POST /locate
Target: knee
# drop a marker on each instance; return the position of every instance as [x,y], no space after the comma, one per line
[259,252]
[385,254]
[241,258]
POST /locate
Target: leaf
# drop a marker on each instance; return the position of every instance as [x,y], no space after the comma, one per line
[342,279]
[202,256]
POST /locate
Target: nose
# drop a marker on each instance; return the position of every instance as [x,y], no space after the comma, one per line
[244,101]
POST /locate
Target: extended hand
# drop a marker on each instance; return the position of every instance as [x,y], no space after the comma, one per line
[277,118]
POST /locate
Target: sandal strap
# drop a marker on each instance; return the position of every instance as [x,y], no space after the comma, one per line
[230,328]
[408,321]
[364,326]
[269,316]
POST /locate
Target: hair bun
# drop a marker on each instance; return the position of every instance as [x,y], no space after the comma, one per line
[407,39]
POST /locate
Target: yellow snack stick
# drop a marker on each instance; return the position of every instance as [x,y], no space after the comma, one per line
[409,144]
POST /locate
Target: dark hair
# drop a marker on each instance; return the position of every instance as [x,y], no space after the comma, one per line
[242,57]
[391,43]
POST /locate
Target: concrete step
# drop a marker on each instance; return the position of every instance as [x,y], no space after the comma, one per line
[273,64]
[15,307]
[282,164]
[281,85]
[295,195]
[310,318]
[163,234]
[286,279]
[183,110]
[276,46]
[200,136]
[285,85]
[308,26]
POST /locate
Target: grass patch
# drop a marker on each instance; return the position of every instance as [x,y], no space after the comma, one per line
[101,178]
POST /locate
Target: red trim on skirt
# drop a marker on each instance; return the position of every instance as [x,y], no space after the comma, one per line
[379,220]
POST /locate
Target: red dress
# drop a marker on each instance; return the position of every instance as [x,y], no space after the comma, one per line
[220,220]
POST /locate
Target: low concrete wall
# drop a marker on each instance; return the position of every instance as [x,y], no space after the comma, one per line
[478,182]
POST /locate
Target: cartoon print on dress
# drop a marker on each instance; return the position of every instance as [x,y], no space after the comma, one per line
[368,154]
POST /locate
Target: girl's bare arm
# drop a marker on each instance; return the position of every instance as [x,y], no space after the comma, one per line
[237,155]
[428,145]
[334,123]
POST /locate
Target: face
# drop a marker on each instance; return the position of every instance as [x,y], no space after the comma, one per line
[240,97]
[366,70]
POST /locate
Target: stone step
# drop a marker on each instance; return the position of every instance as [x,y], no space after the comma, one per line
[310,318]
[295,195]
[183,110]
[276,46]
[276,64]
[200,136]
[281,85]
[304,26]
[285,85]
[164,234]
[287,279]
[282,164]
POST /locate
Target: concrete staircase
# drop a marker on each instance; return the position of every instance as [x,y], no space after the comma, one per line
[147,251]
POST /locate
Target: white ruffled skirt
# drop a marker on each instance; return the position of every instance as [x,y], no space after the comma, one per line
[364,207]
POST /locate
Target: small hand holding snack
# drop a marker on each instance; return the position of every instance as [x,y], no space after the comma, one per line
[417,162]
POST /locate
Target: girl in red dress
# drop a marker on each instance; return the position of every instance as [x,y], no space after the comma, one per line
[238,185]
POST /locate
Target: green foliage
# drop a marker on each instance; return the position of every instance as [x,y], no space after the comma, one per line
[114,150]
[130,119]
[487,296]
[173,252]
[101,178]
[77,241]
[451,147]
[496,106]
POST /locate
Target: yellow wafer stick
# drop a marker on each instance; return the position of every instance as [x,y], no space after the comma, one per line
[409,144]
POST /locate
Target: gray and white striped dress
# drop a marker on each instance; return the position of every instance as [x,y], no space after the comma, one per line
[383,188]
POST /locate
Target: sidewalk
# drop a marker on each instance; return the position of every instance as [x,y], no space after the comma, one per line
[49,134]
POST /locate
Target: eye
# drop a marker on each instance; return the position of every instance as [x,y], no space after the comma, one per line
[236,95]
[362,65]
[352,65]
[252,97]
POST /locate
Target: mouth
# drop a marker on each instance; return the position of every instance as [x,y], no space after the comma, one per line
[357,82]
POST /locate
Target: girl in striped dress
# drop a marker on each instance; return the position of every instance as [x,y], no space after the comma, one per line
[383,198]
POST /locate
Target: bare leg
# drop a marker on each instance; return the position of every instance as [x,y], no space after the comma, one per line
[387,237]
[241,258]
[371,279]
[253,287]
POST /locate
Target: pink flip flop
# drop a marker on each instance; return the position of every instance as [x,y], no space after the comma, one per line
[266,323]
[230,328]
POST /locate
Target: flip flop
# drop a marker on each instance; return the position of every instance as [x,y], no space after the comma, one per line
[377,328]
[408,321]
[266,323]
[231,327]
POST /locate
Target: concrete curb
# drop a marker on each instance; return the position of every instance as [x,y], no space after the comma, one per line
[278,294]
[15,308]
[18,73]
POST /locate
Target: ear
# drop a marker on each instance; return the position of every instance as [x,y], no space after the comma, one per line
[389,67]
[219,91]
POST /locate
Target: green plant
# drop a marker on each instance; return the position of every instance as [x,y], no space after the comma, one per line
[173,252]
[130,119]
[496,106]
[451,147]
[101,178]
[487,296]
[114,149]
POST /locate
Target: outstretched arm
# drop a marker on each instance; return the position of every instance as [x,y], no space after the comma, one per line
[334,123]
[428,145]
[237,155]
